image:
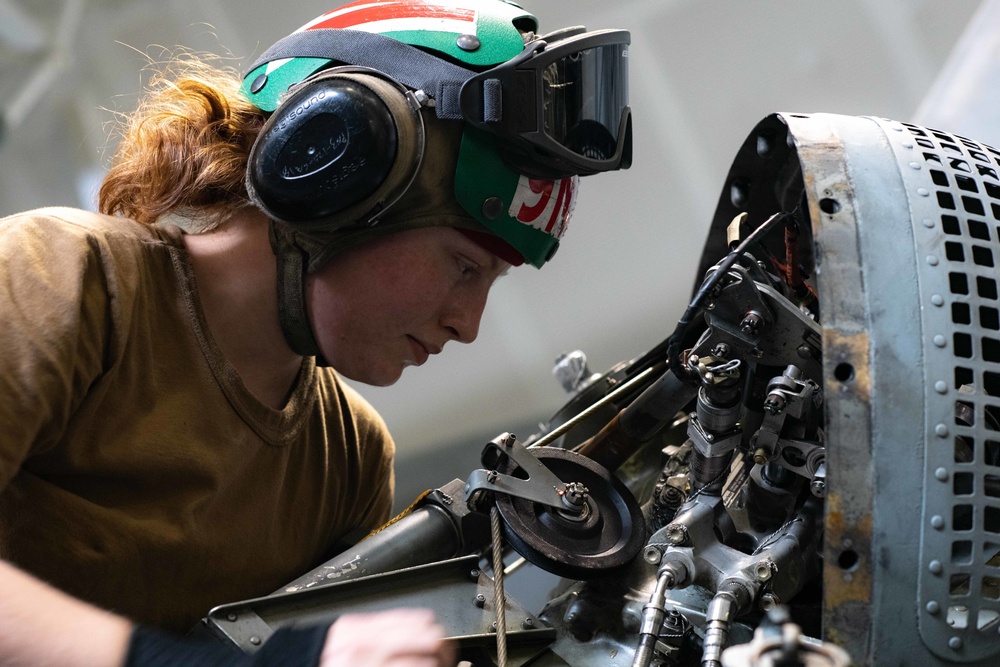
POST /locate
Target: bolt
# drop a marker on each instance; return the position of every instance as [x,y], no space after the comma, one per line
[575,494]
[763,570]
[474,575]
[751,323]
[769,601]
[480,601]
[677,534]
[652,554]
[804,351]
[818,488]
[528,623]
[761,455]
[421,97]
[775,403]
[493,627]
[721,351]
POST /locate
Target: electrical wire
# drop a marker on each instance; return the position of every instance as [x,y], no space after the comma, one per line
[677,338]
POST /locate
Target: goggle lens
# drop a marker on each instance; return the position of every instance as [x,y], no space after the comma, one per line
[583,97]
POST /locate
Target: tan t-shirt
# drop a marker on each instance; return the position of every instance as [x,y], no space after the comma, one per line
[136,470]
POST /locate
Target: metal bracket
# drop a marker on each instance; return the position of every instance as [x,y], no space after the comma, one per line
[541,485]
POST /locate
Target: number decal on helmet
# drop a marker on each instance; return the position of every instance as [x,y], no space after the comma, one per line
[534,204]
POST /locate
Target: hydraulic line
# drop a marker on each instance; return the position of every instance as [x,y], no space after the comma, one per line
[731,600]
[652,619]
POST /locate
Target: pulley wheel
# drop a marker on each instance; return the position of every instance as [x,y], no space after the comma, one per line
[604,537]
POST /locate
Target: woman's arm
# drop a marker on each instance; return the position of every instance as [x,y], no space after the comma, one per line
[41,626]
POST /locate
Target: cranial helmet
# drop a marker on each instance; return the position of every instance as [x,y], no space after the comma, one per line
[369,101]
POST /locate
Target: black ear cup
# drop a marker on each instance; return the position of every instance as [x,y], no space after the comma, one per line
[342,147]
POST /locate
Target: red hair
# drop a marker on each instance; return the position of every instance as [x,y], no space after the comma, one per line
[185,148]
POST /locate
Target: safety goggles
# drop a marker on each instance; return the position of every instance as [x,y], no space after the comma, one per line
[563,104]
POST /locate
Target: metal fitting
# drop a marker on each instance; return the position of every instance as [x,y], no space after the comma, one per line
[575,495]
[763,570]
[769,601]
[677,534]
[774,403]
[751,323]
[818,488]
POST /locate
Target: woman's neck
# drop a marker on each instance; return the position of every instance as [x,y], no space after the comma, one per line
[235,271]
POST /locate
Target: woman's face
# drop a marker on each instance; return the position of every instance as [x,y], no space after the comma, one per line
[394,301]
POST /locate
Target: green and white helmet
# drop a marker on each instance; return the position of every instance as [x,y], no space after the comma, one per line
[538,112]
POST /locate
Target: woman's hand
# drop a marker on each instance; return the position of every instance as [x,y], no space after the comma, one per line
[396,638]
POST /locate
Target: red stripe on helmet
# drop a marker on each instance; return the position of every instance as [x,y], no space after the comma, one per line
[365,11]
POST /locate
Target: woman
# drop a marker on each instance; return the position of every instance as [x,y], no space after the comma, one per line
[177,434]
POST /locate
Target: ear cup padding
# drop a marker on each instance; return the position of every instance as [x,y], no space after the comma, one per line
[339,150]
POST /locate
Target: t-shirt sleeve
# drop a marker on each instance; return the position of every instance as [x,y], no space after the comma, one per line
[54,331]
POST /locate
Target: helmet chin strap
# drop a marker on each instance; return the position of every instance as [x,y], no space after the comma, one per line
[291,263]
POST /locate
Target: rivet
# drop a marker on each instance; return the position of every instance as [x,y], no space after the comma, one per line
[932,260]
[935,567]
[907,144]
[928,223]
[492,207]
[941,430]
[941,387]
[955,643]
[915,165]
[258,83]
[941,475]
[937,300]
[468,42]
[937,522]
[231,617]
[923,192]
[933,608]
[940,340]
[255,640]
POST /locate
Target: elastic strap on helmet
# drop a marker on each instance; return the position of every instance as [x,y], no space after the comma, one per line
[409,65]
[291,262]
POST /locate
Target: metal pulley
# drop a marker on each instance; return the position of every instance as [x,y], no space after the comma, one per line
[561,511]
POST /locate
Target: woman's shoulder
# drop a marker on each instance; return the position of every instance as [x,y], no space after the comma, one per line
[81,220]
[74,222]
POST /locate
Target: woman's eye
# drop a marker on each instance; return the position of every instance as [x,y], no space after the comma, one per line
[468,268]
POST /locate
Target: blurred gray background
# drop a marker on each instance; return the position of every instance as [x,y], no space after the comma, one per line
[703,73]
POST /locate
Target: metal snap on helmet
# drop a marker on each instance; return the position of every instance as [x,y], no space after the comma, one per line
[536,116]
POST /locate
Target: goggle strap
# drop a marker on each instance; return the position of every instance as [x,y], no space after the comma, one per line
[406,64]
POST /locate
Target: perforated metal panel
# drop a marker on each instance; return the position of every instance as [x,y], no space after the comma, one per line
[954,191]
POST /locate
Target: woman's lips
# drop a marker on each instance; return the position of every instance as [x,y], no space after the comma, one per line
[420,351]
